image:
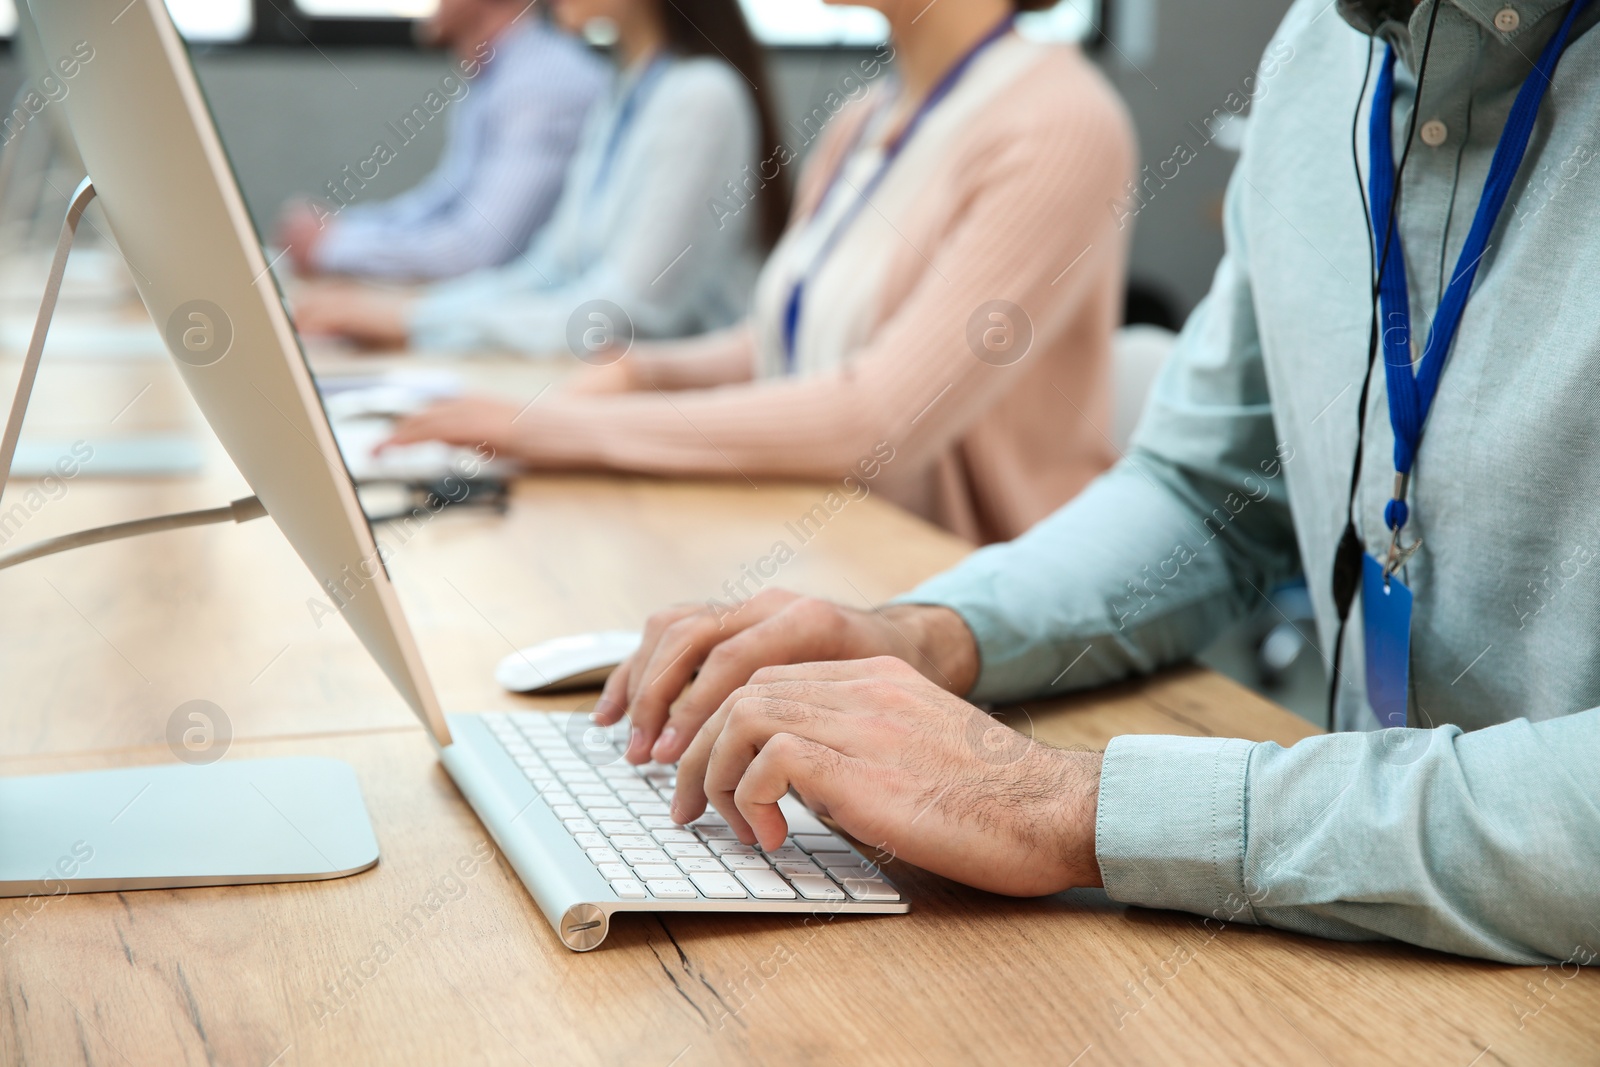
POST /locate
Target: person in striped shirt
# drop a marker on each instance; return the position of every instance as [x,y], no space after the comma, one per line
[515,100]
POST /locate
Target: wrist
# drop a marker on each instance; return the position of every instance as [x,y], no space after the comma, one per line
[1074,806]
[941,645]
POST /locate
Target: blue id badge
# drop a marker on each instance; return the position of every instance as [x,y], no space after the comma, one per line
[1386,617]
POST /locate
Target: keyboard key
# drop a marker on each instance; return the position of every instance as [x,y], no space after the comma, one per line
[675,837]
[715,833]
[672,889]
[617,771]
[633,841]
[657,822]
[685,851]
[605,801]
[579,826]
[819,842]
[801,819]
[567,811]
[764,885]
[787,854]
[613,827]
[657,871]
[612,871]
[693,864]
[836,859]
[870,889]
[723,848]
[816,887]
[578,787]
[553,795]
[712,817]
[800,870]
[628,889]
[719,886]
[636,856]
[649,807]
[598,856]
[595,840]
[735,861]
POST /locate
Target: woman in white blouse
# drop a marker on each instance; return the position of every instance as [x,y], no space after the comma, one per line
[642,241]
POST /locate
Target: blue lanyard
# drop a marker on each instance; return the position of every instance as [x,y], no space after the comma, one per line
[1411,393]
[891,152]
[640,90]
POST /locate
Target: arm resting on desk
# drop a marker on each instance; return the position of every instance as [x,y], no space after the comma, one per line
[1482,844]
[726,357]
[820,425]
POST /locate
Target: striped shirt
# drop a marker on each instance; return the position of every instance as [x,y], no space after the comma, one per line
[506,154]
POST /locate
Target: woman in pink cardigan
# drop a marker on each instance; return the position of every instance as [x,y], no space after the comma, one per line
[937,318]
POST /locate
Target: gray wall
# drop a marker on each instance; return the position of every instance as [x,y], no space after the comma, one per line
[292,119]
[1175,63]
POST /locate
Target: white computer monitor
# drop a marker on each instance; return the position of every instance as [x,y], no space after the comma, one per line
[174,209]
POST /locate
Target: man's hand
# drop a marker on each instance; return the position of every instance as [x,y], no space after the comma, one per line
[902,765]
[301,228]
[371,318]
[468,421]
[773,627]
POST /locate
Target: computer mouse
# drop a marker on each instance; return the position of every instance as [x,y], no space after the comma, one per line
[582,661]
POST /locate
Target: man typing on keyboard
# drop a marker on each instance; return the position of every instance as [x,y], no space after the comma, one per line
[1471,823]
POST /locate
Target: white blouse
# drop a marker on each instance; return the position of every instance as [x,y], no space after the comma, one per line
[647,237]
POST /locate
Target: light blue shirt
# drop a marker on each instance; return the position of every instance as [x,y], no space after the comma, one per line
[1481,835]
[510,140]
[645,239]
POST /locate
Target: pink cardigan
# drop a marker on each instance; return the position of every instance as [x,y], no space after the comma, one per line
[1020,211]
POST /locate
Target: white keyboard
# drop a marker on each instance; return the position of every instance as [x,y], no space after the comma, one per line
[618,814]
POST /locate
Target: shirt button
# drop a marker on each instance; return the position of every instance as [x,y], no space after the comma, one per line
[1434,133]
[1506,20]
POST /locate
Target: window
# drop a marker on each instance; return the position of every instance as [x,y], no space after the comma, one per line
[813,23]
[1070,20]
[810,22]
[382,9]
[213,20]
[778,23]
[198,20]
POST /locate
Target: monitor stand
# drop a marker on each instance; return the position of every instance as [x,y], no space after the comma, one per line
[232,822]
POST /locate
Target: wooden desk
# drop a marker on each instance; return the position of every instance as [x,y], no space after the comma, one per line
[412,962]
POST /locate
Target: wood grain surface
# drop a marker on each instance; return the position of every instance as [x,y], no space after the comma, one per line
[438,956]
